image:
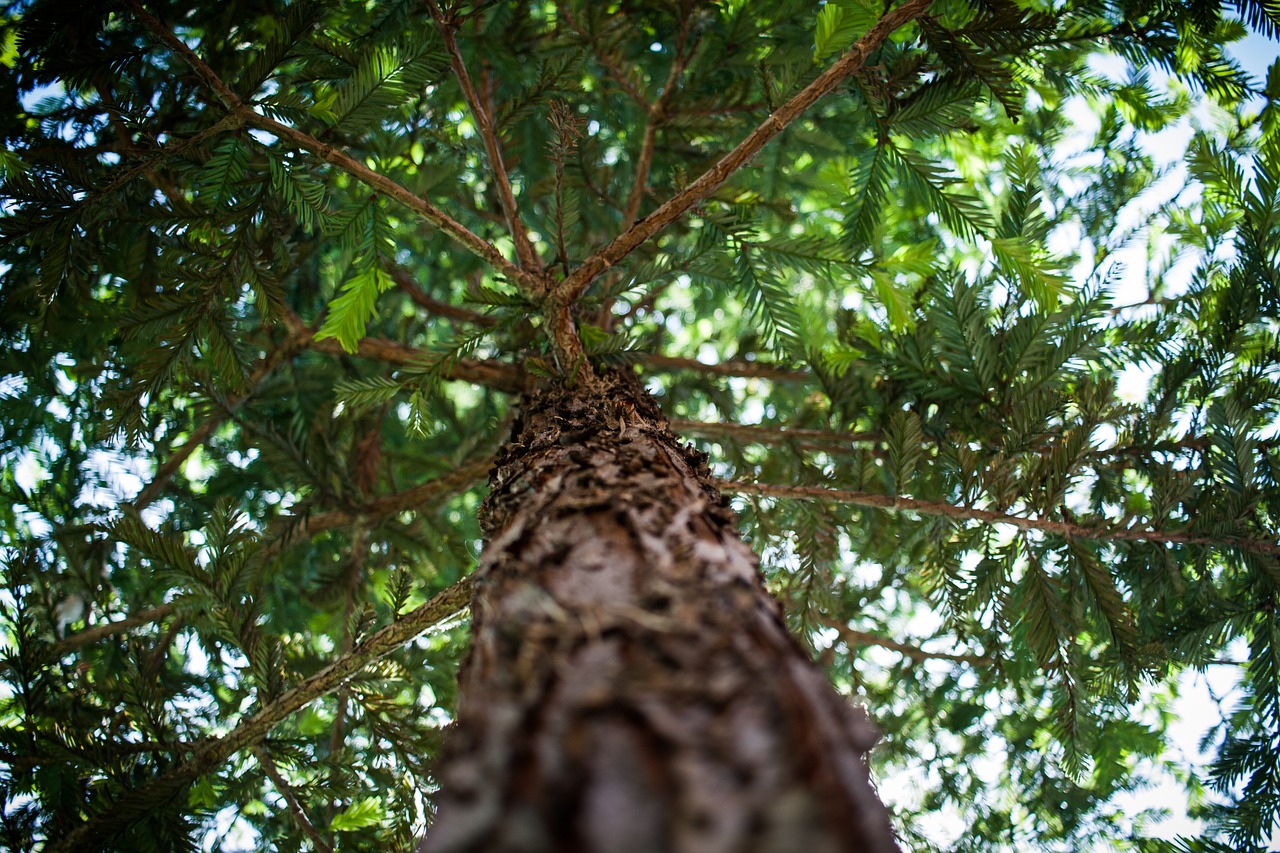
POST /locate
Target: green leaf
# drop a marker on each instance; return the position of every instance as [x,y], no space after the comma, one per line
[840,23]
[367,812]
[351,311]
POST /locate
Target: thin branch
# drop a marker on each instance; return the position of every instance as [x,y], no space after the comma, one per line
[637,235]
[511,379]
[208,754]
[762,370]
[525,252]
[611,67]
[455,481]
[291,800]
[355,574]
[94,633]
[377,508]
[805,439]
[207,75]
[246,114]
[167,152]
[655,116]
[833,441]
[437,217]
[1061,528]
[490,373]
[164,473]
[855,639]
[406,282]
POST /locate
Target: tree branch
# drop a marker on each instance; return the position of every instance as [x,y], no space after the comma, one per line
[639,233]
[376,508]
[94,633]
[406,282]
[489,373]
[291,800]
[855,639]
[834,441]
[209,753]
[608,63]
[437,217]
[757,369]
[244,113]
[655,115]
[525,252]
[164,473]
[1066,529]
[806,439]
[207,75]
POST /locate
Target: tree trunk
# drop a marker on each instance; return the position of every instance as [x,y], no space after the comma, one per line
[631,687]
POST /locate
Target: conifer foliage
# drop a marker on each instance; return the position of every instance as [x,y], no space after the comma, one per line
[276,273]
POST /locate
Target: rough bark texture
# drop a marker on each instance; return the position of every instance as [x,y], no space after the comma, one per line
[631,687]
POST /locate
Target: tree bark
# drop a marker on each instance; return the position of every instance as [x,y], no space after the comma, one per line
[631,687]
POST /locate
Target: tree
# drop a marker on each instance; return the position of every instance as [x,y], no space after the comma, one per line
[284,281]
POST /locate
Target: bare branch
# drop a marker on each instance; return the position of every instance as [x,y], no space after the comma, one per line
[855,640]
[656,115]
[291,800]
[635,236]
[757,369]
[164,473]
[406,282]
[209,753]
[242,112]
[525,252]
[806,439]
[489,373]
[610,65]
[1061,528]
[94,633]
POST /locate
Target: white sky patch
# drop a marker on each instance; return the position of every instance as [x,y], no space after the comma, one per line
[1134,382]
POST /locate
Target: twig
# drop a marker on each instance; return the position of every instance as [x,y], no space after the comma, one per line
[833,441]
[209,753]
[963,513]
[453,482]
[489,373]
[855,639]
[207,75]
[525,252]
[244,113]
[639,233]
[374,509]
[610,66]
[655,116]
[355,574]
[164,473]
[806,439]
[291,800]
[511,379]
[762,370]
[437,217]
[405,281]
[94,633]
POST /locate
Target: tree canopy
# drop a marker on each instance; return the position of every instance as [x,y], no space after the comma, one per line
[974,305]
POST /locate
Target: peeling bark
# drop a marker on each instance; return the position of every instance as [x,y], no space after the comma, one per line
[631,686]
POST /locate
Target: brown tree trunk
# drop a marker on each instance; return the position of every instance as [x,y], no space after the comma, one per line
[631,687]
